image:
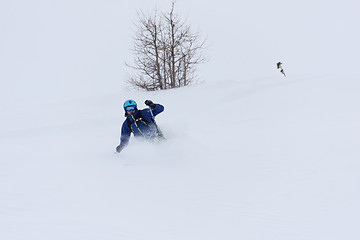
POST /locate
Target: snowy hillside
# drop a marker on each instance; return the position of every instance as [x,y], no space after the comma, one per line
[249,154]
[272,158]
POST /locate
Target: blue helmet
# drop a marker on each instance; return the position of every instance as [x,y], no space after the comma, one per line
[130,103]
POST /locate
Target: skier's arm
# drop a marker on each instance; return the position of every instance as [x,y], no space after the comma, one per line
[155,108]
[124,138]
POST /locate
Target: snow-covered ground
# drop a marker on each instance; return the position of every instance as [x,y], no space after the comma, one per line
[249,153]
[274,158]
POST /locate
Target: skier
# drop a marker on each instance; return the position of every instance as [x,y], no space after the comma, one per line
[139,122]
[280,67]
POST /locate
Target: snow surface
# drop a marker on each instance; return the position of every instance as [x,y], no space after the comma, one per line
[249,154]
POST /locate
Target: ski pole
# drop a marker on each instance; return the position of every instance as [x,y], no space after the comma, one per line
[157,127]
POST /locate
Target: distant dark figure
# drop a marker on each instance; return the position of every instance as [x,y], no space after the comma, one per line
[280,67]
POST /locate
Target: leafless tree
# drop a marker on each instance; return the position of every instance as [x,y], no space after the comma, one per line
[166,52]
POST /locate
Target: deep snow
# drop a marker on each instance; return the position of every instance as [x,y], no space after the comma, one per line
[272,158]
[249,154]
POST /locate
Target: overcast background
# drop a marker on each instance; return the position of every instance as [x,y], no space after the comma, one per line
[66,45]
[249,154]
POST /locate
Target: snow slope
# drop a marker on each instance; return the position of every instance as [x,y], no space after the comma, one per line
[270,158]
[249,154]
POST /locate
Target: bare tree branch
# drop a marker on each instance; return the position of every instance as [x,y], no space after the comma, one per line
[166,52]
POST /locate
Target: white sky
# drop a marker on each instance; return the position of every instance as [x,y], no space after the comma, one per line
[65,46]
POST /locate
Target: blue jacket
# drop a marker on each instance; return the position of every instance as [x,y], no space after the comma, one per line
[141,124]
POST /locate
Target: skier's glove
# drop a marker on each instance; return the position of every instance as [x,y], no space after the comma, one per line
[119,148]
[149,103]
